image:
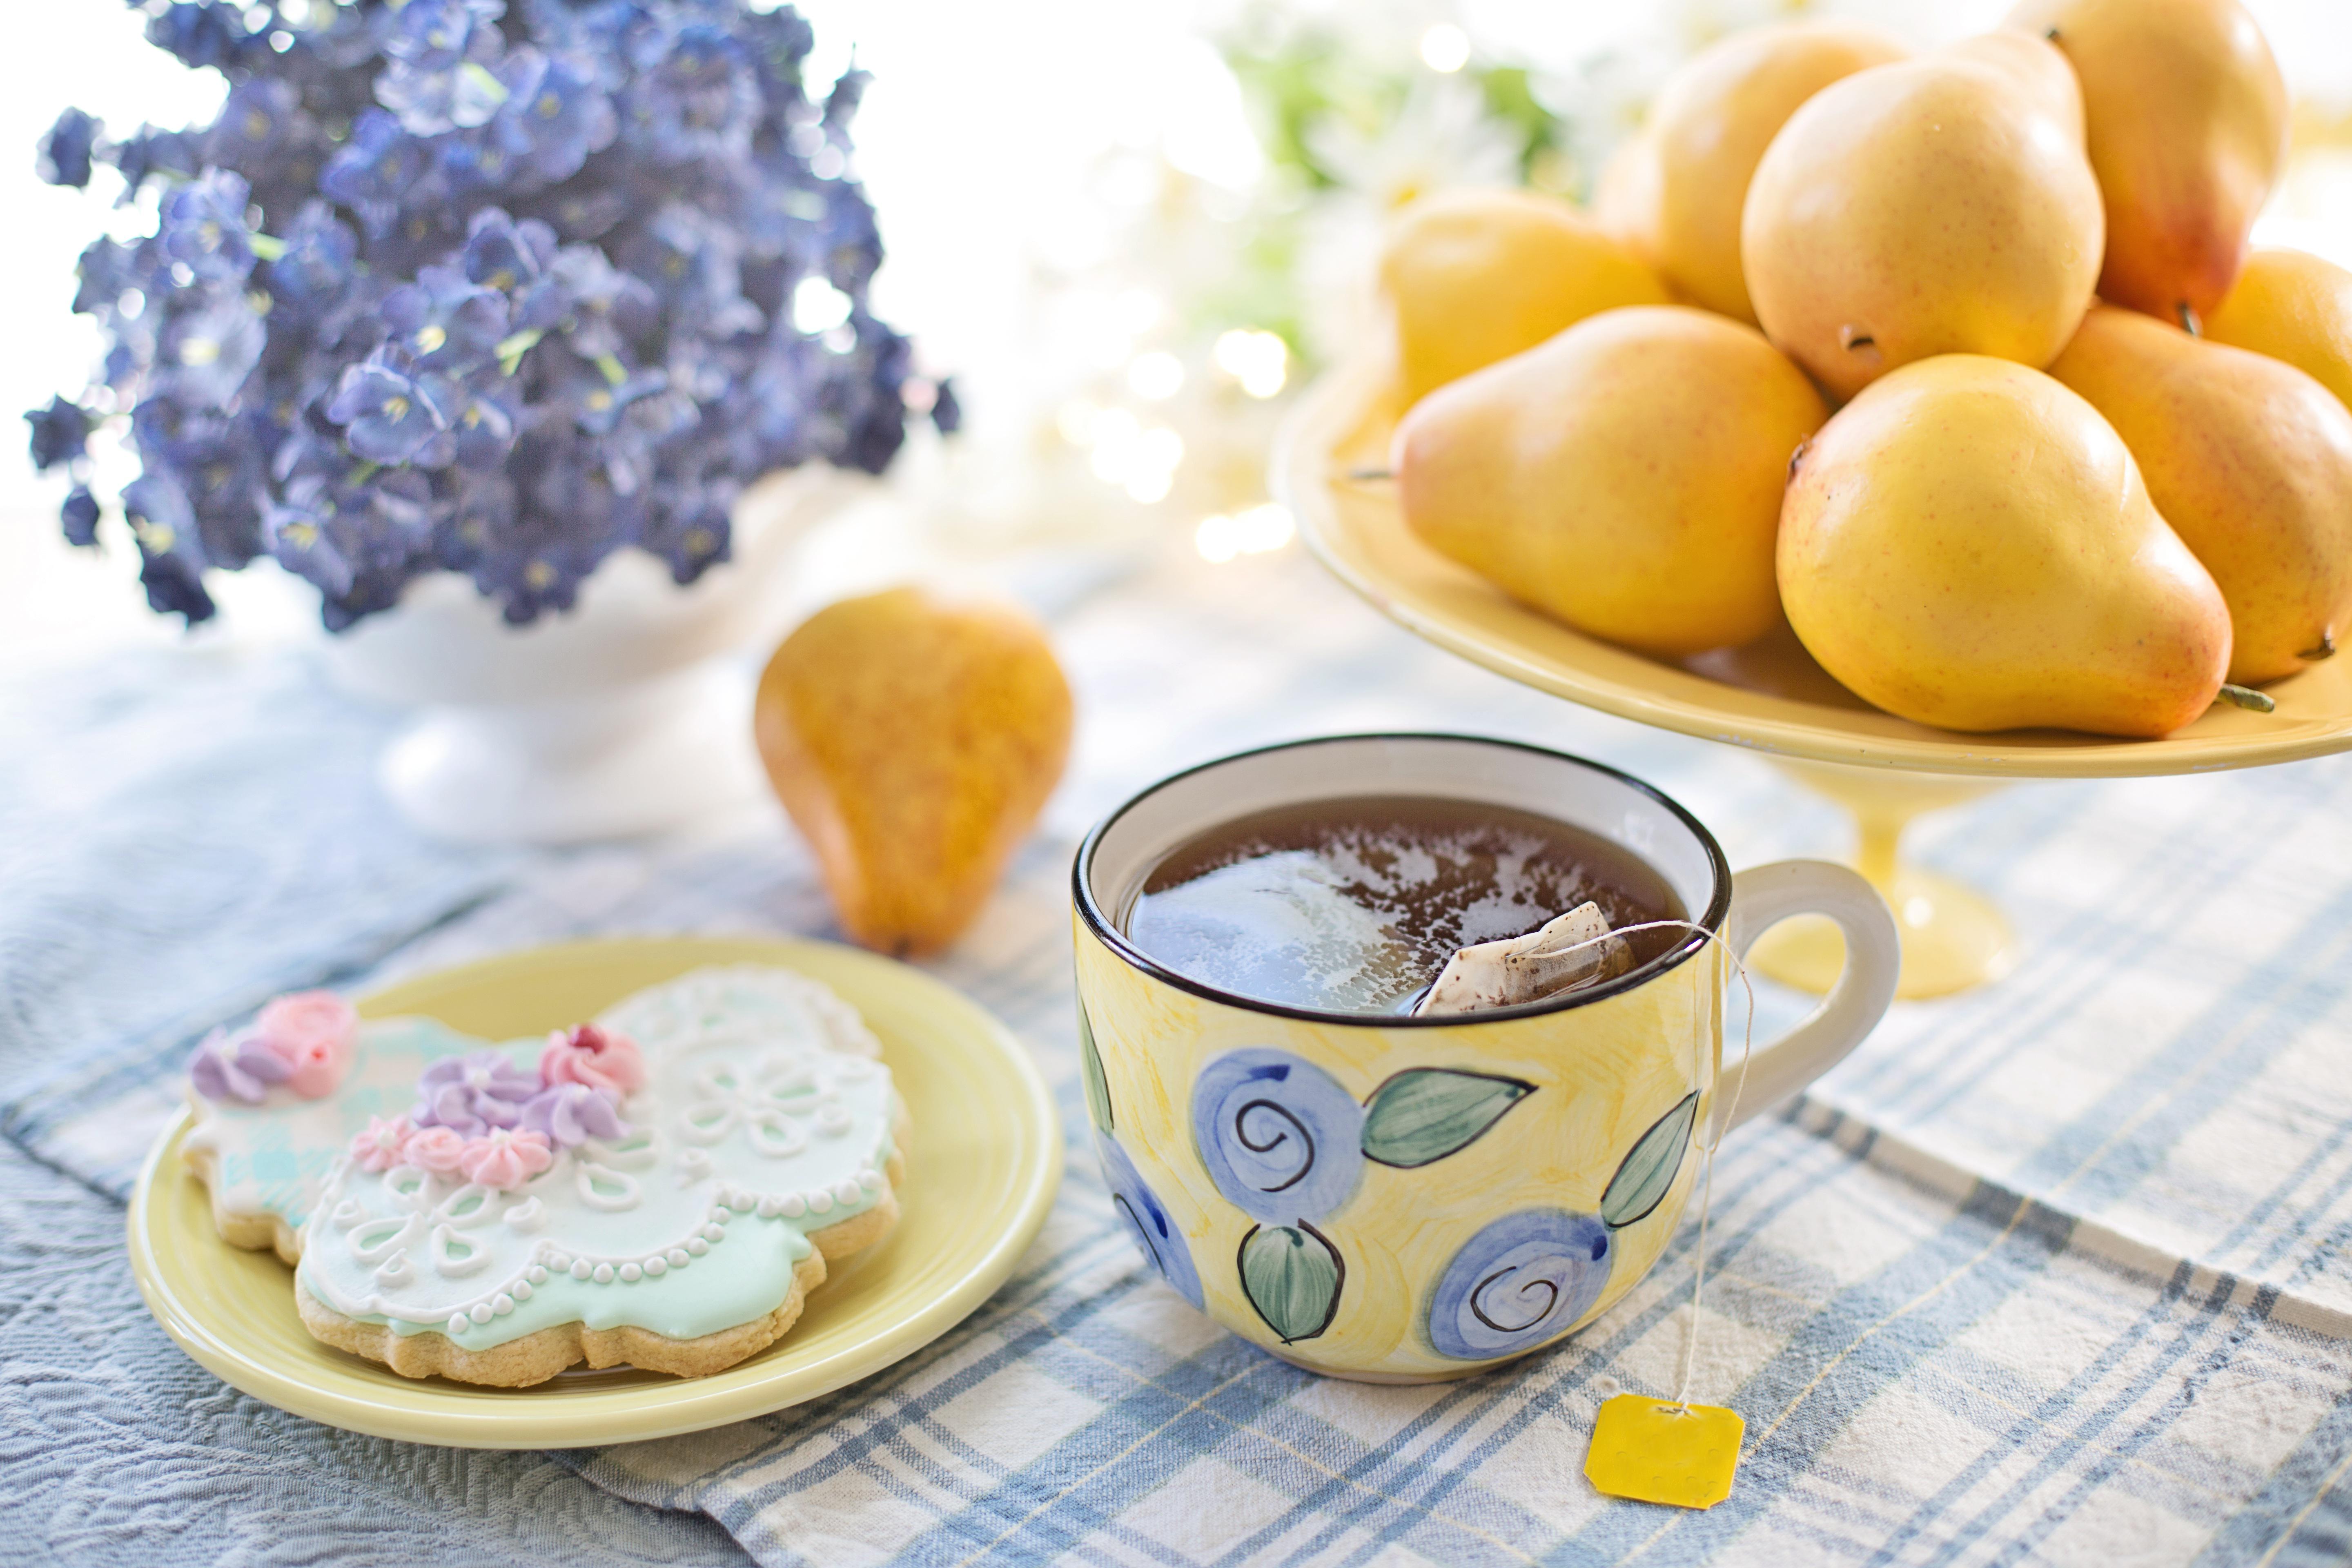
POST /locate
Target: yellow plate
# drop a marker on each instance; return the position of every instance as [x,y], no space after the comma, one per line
[983,1167]
[1770,695]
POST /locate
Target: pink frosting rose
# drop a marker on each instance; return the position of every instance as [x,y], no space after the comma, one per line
[314,1034]
[433,1149]
[506,1157]
[586,1055]
[380,1147]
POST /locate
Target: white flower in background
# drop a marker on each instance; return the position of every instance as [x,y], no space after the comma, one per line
[1441,136]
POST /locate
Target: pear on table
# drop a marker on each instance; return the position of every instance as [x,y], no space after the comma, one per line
[1937,206]
[1969,544]
[2250,460]
[913,740]
[2187,127]
[1625,477]
[1675,192]
[1473,277]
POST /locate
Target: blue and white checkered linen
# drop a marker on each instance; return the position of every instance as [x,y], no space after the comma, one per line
[2051,1272]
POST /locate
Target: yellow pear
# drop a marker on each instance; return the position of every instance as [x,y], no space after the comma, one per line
[2035,68]
[1476,276]
[2250,460]
[1676,197]
[913,741]
[1968,544]
[1935,206]
[2295,308]
[2187,123]
[1625,477]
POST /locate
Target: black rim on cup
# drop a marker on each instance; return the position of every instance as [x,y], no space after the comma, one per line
[1107,933]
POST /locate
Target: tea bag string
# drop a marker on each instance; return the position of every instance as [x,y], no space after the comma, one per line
[1722,1123]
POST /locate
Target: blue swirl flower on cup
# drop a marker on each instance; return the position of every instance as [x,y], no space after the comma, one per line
[1279,1136]
[1147,1221]
[1520,1282]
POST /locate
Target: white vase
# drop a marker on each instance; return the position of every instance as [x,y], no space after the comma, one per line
[629,714]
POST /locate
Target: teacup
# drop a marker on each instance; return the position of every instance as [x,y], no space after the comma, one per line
[1405,1199]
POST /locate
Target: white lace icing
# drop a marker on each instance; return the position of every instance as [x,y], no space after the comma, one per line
[751,1115]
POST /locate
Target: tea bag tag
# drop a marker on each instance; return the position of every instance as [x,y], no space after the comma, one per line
[1655,1450]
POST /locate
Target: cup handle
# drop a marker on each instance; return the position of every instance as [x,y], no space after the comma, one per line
[1761,898]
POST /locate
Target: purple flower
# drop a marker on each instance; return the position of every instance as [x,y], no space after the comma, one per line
[373,170]
[695,96]
[572,1113]
[200,32]
[504,255]
[148,152]
[389,417]
[609,307]
[61,434]
[441,52]
[473,1093]
[257,126]
[315,267]
[206,355]
[236,1066]
[105,270]
[204,227]
[80,516]
[555,117]
[65,151]
[170,551]
[446,319]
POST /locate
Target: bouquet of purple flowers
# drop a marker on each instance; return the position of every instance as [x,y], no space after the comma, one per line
[495,287]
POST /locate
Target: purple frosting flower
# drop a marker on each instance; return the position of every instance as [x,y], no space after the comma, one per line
[473,1093]
[236,1066]
[570,1114]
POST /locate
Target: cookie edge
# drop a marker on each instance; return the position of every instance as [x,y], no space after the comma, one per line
[535,1357]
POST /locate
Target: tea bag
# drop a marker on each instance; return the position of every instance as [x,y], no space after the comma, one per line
[1565,953]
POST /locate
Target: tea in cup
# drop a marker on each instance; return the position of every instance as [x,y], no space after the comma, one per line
[1372,1189]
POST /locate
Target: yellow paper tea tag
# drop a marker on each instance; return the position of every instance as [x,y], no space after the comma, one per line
[1655,1451]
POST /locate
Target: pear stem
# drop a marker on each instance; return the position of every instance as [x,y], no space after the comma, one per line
[2189,321]
[1370,476]
[2246,696]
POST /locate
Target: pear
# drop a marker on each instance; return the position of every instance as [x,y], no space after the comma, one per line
[1473,277]
[1968,544]
[1674,194]
[1937,206]
[2188,128]
[1625,477]
[2250,460]
[2295,308]
[914,742]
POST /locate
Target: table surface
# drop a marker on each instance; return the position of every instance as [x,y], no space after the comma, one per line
[2053,1271]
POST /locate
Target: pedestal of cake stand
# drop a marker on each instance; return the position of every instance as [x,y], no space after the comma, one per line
[1953,936]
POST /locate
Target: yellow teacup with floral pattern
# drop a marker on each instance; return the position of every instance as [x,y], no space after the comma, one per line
[1404,1199]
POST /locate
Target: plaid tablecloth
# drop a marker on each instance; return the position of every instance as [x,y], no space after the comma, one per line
[2051,1272]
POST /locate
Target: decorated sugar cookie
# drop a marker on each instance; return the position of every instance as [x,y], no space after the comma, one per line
[661,1188]
[278,1103]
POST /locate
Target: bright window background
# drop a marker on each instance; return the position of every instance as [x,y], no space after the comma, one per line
[984,141]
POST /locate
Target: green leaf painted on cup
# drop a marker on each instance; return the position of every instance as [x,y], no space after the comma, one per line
[1648,1171]
[1426,1113]
[1097,1087]
[1291,1276]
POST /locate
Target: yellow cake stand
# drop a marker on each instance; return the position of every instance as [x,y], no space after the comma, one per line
[1770,696]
